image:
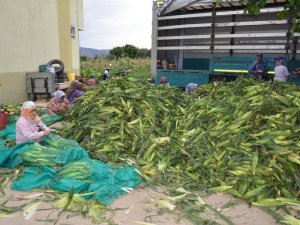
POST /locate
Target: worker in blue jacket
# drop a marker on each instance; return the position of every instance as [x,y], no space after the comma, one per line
[259,67]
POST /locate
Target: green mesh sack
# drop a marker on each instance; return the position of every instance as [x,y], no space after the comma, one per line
[55,141]
[2,144]
[34,177]
[9,132]
[71,155]
[66,184]
[11,157]
[110,181]
[86,176]
[73,169]
[35,154]
[39,155]
[13,119]
[67,150]
[90,176]
[51,119]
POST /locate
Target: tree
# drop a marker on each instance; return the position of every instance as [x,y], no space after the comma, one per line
[130,51]
[83,58]
[117,52]
[144,53]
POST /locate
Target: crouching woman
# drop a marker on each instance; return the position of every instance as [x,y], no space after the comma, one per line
[58,104]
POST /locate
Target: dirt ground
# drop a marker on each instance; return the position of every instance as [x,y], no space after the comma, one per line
[133,208]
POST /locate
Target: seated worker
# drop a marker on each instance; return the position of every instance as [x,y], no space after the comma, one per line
[92,81]
[281,72]
[259,67]
[58,104]
[190,88]
[29,126]
[74,91]
[163,81]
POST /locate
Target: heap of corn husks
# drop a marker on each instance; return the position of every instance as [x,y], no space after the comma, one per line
[240,137]
[243,136]
[124,118]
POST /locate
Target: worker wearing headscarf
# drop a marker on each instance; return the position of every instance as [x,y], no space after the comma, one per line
[58,104]
[190,88]
[163,81]
[74,91]
[29,126]
[92,81]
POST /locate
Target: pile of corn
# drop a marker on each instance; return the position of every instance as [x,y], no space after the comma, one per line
[240,137]
[243,138]
[123,118]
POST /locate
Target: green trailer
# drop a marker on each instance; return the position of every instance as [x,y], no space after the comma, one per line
[208,41]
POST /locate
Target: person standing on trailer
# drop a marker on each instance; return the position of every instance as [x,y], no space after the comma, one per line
[258,69]
[281,71]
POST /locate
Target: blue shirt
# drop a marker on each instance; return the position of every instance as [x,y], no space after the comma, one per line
[258,68]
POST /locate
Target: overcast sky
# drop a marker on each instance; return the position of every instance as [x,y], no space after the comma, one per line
[111,23]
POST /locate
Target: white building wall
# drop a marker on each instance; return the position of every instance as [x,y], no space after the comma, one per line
[29,34]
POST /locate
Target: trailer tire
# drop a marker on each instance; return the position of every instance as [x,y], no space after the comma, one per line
[60,80]
[59,62]
[61,76]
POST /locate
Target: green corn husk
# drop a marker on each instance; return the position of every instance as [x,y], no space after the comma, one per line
[243,134]
[76,170]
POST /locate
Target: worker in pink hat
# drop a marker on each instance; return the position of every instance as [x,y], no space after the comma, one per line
[29,126]
[163,80]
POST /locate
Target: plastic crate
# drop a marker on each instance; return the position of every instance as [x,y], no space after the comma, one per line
[42,68]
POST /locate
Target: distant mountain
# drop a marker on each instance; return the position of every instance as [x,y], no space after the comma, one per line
[91,52]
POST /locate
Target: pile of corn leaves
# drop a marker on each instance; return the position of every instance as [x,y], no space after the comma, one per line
[240,137]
